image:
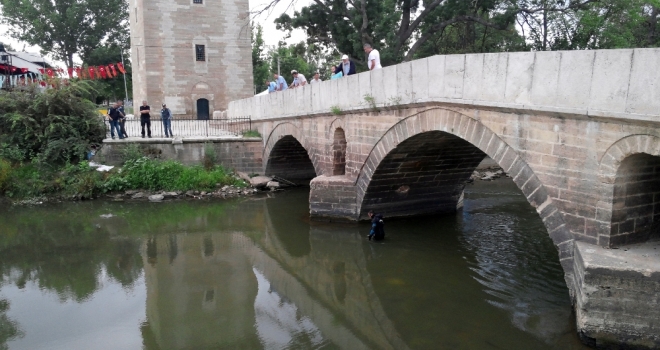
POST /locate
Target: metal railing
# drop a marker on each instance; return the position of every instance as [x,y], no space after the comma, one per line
[188,128]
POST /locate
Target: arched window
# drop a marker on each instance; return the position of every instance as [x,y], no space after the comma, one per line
[339,152]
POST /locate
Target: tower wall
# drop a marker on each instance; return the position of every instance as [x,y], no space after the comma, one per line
[165,70]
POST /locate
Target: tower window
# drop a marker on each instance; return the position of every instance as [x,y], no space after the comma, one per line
[200,53]
[198,1]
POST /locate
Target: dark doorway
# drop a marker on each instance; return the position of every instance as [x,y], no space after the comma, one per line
[202,109]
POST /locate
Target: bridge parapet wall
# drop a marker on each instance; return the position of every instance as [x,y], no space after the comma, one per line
[621,84]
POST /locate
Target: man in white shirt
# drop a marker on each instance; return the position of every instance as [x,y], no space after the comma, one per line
[298,79]
[373,62]
[317,78]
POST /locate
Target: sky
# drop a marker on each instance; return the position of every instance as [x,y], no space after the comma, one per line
[271,35]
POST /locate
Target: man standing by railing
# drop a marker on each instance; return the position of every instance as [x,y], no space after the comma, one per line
[145,118]
[166,116]
[114,114]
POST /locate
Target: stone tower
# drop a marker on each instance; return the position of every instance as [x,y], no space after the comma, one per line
[193,55]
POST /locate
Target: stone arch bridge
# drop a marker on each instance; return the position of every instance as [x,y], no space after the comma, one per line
[577,131]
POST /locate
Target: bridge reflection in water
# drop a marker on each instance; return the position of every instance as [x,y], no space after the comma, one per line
[274,280]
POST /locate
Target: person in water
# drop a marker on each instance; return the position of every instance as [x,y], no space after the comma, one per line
[377,226]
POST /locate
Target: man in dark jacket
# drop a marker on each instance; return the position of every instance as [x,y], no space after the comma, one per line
[377,226]
[115,114]
[145,118]
[346,66]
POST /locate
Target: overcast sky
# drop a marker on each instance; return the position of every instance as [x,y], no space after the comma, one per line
[271,35]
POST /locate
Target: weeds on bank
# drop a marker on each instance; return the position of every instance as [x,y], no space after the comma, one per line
[336,110]
[251,133]
[80,181]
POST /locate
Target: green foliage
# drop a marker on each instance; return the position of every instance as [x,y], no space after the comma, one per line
[336,110]
[52,127]
[66,27]
[210,156]
[155,175]
[371,101]
[407,29]
[111,89]
[251,133]
[260,66]
[131,152]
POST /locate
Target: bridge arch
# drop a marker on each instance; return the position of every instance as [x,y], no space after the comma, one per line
[428,157]
[288,154]
[630,176]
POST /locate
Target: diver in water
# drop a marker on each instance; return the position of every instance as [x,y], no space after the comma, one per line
[377,226]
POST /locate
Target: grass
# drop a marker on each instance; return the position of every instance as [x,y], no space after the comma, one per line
[251,133]
[336,110]
[81,181]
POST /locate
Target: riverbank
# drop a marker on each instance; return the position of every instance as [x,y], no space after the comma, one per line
[139,178]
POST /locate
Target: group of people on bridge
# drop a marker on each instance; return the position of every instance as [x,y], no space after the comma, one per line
[117,119]
[345,68]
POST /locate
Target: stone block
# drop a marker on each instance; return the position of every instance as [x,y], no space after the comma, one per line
[473,78]
[618,295]
[454,76]
[378,85]
[610,81]
[350,91]
[420,79]
[575,75]
[494,77]
[520,73]
[546,78]
[436,76]
[404,82]
[390,85]
[364,81]
[644,91]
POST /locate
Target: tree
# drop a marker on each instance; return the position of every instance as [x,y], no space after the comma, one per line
[260,67]
[113,88]
[402,29]
[66,27]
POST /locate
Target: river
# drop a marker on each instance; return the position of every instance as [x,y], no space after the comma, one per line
[255,273]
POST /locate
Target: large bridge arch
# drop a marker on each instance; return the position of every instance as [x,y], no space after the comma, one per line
[288,154]
[410,153]
[630,178]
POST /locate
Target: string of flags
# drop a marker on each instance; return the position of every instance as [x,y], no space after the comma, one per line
[46,75]
[91,72]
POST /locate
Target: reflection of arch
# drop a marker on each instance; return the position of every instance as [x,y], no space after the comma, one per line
[446,147]
[283,136]
[339,152]
[629,170]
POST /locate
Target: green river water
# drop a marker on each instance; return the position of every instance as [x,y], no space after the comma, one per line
[255,273]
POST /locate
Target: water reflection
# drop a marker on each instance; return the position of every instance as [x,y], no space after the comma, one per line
[256,273]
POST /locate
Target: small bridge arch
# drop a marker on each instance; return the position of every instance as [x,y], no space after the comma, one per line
[288,155]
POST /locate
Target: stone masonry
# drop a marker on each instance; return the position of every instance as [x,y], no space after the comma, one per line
[577,131]
[165,67]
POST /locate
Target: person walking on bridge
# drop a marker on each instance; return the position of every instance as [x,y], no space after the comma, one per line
[377,226]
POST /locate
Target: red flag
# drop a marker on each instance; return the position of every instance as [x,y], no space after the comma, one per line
[24,70]
[109,71]
[41,70]
[112,68]
[49,71]
[121,68]
[91,72]
[101,70]
[70,71]
[78,72]
[97,73]
[13,69]
[42,83]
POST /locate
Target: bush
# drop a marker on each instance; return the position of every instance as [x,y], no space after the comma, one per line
[131,152]
[156,175]
[251,133]
[57,126]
